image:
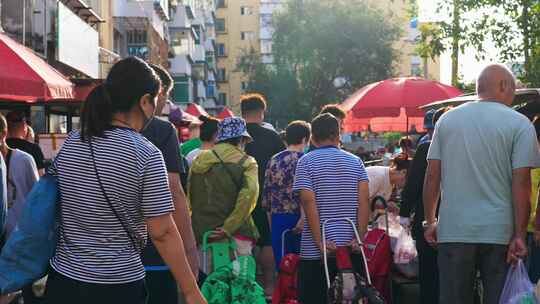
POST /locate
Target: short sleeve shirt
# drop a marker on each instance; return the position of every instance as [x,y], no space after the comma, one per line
[21,175]
[165,137]
[30,148]
[333,176]
[479,144]
[278,193]
[93,245]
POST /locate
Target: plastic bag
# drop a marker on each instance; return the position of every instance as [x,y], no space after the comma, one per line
[405,251]
[518,288]
[394,228]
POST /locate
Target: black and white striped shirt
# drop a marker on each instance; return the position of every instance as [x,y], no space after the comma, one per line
[93,246]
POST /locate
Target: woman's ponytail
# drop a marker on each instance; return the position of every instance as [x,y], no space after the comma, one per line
[128,81]
[96,113]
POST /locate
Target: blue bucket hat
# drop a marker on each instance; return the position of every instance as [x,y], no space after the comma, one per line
[232,127]
[428,120]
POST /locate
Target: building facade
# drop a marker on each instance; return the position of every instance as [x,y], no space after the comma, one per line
[141,29]
[193,63]
[238,31]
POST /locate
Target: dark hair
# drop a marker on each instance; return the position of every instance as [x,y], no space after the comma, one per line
[209,127]
[440,113]
[296,131]
[164,76]
[401,162]
[335,110]
[232,141]
[324,127]
[129,80]
[406,142]
[251,103]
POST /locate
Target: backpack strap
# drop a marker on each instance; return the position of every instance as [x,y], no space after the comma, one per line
[136,242]
[231,175]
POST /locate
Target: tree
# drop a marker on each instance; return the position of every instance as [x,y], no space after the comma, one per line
[513,26]
[316,42]
[452,34]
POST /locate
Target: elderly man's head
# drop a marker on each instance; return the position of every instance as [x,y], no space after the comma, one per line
[497,83]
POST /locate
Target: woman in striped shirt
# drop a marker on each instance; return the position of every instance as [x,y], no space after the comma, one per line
[114,190]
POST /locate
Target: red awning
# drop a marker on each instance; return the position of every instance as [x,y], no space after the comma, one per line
[24,76]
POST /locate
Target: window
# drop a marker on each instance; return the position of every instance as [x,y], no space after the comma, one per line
[221,50]
[221,4]
[247,35]
[199,33]
[220,25]
[244,85]
[211,89]
[245,10]
[137,43]
[180,93]
[222,75]
[223,99]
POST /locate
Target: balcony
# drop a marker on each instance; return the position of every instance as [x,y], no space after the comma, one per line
[180,19]
[150,10]
[181,65]
[199,56]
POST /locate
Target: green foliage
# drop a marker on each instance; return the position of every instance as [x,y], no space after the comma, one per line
[392,137]
[513,26]
[315,42]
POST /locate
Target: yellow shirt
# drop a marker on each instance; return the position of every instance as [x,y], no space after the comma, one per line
[535,183]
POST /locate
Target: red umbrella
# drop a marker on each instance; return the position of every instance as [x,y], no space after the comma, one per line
[387,99]
[402,123]
[225,113]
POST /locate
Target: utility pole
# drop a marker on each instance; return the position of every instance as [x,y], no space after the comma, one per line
[45,29]
[24,23]
[455,41]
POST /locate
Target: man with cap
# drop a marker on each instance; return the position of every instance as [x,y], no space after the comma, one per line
[429,126]
[223,189]
[18,131]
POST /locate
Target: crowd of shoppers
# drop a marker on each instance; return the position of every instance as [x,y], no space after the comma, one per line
[134,212]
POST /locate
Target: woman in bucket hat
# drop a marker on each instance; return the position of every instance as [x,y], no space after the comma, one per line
[223,188]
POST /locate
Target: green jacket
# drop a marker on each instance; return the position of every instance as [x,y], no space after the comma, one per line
[216,200]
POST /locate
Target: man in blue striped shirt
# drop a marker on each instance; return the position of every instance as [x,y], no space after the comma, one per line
[332,184]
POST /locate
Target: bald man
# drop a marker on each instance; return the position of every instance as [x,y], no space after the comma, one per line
[480,159]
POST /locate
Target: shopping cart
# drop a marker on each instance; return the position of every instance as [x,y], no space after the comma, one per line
[349,286]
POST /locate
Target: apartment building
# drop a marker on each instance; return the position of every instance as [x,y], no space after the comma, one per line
[141,29]
[193,54]
[238,30]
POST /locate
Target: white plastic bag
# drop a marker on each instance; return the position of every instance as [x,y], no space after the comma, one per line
[405,251]
[518,288]
[405,255]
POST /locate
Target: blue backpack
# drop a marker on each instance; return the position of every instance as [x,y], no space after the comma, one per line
[26,254]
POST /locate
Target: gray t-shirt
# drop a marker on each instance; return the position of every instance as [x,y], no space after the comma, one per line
[22,174]
[479,144]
